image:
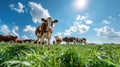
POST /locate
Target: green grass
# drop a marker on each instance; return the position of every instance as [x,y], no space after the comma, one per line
[30,55]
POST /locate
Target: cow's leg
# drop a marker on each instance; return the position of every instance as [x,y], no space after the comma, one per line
[42,40]
[68,42]
[85,42]
[38,40]
[15,42]
[49,44]
[74,42]
[58,42]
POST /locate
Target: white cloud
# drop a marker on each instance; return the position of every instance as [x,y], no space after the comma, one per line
[84,18]
[107,32]
[67,32]
[105,22]
[4,29]
[37,12]
[13,31]
[110,17]
[16,28]
[59,34]
[25,37]
[19,8]
[81,27]
[76,28]
[89,22]
[80,17]
[29,30]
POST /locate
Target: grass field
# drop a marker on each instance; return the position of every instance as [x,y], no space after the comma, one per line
[29,55]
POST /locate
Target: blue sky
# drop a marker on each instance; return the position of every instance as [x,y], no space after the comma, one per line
[98,21]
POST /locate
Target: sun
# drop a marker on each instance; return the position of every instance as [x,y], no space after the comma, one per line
[80,4]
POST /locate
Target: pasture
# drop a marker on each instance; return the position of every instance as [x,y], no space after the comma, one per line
[30,55]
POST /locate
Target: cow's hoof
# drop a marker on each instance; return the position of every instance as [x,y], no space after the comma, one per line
[48,48]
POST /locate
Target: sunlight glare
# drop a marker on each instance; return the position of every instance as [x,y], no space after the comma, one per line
[80,4]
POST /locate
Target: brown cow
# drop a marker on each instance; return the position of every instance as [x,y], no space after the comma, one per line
[8,38]
[28,41]
[58,40]
[19,41]
[45,30]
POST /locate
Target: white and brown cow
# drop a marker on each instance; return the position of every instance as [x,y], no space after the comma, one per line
[69,39]
[45,30]
[58,40]
[81,40]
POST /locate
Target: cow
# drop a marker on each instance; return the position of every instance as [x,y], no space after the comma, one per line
[75,40]
[28,41]
[19,41]
[66,39]
[8,38]
[69,39]
[45,30]
[54,42]
[35,42]
[58,40]
[81,40]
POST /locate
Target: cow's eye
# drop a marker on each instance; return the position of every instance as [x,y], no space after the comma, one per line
[45,20]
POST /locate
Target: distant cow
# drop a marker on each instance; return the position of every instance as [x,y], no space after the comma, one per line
[69,39]
[19,41]
[28,41]
[35,42]
[45,30]
[58,40]
[66,39]
[81,40]
[8,38]
[53,42]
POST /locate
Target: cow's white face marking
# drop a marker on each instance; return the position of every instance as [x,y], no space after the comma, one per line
[49,21]
[50,24]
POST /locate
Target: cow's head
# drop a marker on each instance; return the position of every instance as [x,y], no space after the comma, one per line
[49,22]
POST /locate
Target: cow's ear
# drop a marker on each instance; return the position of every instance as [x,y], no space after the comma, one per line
[55,21]
[43,20]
